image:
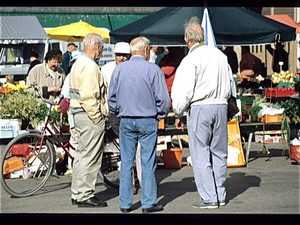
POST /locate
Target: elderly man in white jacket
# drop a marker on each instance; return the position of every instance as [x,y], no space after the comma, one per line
[202,85]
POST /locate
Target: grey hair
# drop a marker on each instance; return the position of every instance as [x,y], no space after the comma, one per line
[92,39]
[194,30]
[139,45]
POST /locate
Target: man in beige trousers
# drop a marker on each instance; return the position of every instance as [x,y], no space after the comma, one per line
[89,105]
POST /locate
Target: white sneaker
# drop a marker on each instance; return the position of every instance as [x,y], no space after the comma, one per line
[68,172]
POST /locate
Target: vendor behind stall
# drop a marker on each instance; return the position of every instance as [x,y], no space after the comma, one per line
[247,65]
[248,62]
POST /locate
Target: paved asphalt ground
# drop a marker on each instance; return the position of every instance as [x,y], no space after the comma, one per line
[267,188]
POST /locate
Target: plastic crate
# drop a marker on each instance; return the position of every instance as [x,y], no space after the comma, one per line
[279,92]
[20,150]
[271,118]
[161,124]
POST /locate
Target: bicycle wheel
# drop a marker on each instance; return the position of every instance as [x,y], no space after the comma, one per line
[27,164]
[111,162]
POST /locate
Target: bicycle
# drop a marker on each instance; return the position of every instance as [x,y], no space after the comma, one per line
[31,157]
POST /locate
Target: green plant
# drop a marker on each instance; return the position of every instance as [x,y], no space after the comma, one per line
[244,106]
[55,115]
[253,112]
[291,109]
[20,105]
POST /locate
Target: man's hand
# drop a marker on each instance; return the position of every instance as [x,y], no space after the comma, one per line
[54,89]
[179,124]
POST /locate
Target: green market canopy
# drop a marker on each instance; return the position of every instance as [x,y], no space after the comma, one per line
[231,26]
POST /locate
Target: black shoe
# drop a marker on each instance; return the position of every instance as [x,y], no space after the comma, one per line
[92,202]
[74,201]
[125,210]
[154,208]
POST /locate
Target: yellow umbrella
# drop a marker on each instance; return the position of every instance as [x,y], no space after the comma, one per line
[75,32]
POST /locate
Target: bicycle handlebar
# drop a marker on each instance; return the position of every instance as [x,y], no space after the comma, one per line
[60,97]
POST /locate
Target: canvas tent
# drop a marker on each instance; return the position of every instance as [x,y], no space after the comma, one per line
[285,19]
[21,29]
[231,26]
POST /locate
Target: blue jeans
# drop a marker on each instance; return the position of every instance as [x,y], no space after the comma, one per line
[132,131]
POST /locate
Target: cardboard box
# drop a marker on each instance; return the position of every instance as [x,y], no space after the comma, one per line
[9,128]
[12,164]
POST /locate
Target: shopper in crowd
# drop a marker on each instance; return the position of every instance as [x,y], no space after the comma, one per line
[154,52]
[202,85]
[138,94]
[64,108]
[232,58]
[169,64]
[34,59]
[65,64]
[48,76]
[122,54]
[279,55]
[89,106]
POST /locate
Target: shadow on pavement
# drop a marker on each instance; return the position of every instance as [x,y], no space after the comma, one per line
[237,183]
[253,155]
[169,191]
[48,188]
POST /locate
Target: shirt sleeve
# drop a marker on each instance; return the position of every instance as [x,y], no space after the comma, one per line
[112,101]
[162,98]
[66,87]
[183,87]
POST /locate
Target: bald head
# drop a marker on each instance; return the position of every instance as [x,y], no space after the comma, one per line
[140,46]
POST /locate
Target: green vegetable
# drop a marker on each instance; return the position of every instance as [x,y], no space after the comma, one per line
[244,106]
[291,109]
[285,128]
[253,111]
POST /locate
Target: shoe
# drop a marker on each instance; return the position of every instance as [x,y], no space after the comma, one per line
[203,205]
[68,173]
[74,201]
[154,208]
[92,202]
[223,203]
[125,210]
[135,190]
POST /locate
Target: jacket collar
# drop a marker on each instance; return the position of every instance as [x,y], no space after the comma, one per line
[195,46]
[46,72]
